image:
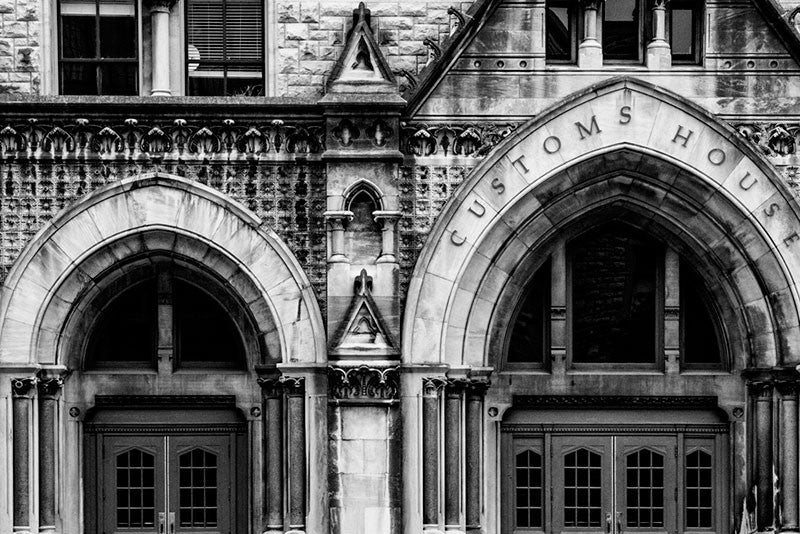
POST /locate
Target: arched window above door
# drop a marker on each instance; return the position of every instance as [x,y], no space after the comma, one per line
[615,296]
[167,317]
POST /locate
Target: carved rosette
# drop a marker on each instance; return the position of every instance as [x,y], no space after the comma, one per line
[23,387]
[364,383]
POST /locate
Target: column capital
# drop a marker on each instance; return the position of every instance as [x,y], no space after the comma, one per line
[659,4]
[432,385]
[456,386]
[364,384]
[386,217]
[159,5]
[761,389]
[23,387]
[338,216]
[50,386]
[591,4]
[788,388]
[477,387]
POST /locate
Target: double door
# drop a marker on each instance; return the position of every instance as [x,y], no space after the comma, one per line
[614,484]
[166,484]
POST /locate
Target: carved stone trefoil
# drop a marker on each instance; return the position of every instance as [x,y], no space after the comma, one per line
[364,384]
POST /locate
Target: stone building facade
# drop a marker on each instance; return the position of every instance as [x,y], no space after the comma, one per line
[502,266]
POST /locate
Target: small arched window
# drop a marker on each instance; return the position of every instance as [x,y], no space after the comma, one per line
[167,316]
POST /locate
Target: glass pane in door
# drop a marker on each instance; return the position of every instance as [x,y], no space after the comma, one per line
[198,489]
[135,491]
[646,482]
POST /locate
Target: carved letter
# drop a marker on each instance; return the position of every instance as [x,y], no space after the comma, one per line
[481,208]
[593,128]
[716,156]
[791,239]
[679,135]
[454,239]
[499,186]
[625,114]
[556,144]
[770,210]
[520,164]
[749,185]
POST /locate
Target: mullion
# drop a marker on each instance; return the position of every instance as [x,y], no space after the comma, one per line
[98,70]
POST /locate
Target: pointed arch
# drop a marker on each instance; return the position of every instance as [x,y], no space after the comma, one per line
[670,165]
[156,214]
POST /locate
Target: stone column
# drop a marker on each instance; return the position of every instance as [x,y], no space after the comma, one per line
[473,436]
[22,392]
[159,19]
[296,449]
[388,221]
[590,51]
[336,223]
[558,309]
[762,395]
[431,388]
[672,312]
[789,455]
[49,388]
[272,391]
[659,55]
[452,455]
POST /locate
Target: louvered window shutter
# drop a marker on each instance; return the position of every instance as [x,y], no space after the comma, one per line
[225,46]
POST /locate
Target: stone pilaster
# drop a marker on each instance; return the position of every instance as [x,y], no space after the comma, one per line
[49,390]
[788,474]
[272,394]
[23,390]
[431,392]
[473,436]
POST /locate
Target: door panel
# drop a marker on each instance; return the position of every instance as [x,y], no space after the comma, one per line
[646,485]
[133,484]
[581,483]
[200,489]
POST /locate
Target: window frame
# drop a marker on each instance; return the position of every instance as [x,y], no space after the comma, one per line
[574,15]
[698,30]
[224,62]
[98,60]
[642,24]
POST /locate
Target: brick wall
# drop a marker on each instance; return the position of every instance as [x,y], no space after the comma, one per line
[20,31]
[311,36]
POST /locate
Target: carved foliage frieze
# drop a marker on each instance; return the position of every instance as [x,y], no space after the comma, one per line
[445,140]
[364,383]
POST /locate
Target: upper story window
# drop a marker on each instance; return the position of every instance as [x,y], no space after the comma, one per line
[98,53]
[620,298]
[684,22]
[622,30]
[561,34]
[225,47]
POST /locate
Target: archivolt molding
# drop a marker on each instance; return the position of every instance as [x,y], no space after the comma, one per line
[714,192]
[155,213]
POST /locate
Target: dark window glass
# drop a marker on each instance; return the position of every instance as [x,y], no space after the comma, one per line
[225,47]
[560,32]
[583,492]
[98,53]
[621,31]
[205,331]
[530,337]
[699,490]
[126,329]
[198,489]
[614,280]
[684,31]
[700,333]
[135,490]
[644,489]
[529,490]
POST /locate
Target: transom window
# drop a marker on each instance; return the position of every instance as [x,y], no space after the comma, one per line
[225,47]
[169,317]
[98,52]
[619,298]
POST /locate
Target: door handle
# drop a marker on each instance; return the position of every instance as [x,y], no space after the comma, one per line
[608,523]
[161,520]
[172,523]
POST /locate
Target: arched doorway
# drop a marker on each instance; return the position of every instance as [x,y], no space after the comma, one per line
[179,338]
[553,319]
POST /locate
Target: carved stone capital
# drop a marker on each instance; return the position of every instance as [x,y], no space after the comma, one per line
[276,385]
[23,387]
[788,389]
[476,389]
[432,385]
[159,5]
[591,4]
[760,390]
[456,386]
[50,386]
[293,385]
[659,4]
[364,383]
